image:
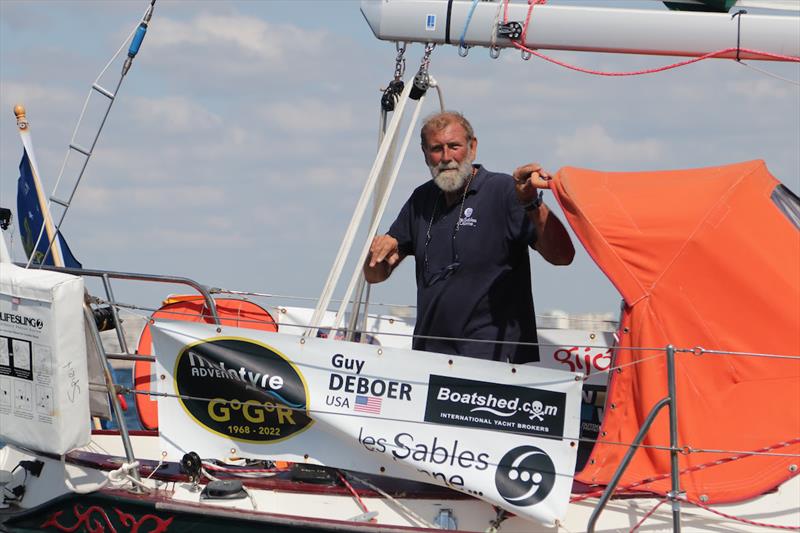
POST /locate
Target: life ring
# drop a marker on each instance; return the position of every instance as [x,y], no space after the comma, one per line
[189,308]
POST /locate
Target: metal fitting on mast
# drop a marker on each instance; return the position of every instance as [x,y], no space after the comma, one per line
[395,88]
[422,79]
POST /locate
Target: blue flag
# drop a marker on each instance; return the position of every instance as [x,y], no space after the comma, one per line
[29,214]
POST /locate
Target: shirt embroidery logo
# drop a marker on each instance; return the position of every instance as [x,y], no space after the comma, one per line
[467,219]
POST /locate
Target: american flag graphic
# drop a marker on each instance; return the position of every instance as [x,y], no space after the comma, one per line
[367,404]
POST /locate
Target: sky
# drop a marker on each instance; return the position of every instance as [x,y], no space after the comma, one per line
[241,138]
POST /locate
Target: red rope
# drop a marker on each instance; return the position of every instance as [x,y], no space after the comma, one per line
[531,3]
[744,520]
[718,462]
[645,517]
[521,45]
[353,492]
[658,69]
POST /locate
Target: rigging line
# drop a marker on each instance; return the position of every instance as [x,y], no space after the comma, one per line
[353,492]
[461,45]
[75,133]
[700,351]
[420,521]
[691,469]
[740,519]
[653,70]
[770,74]
[531,3]
[646,516]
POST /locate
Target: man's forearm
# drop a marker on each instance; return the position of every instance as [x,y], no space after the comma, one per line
[553,241]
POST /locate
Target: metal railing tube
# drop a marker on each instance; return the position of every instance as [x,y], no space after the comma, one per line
[131,276]
[112,395]
[117,323]
[673,442]
[612,484]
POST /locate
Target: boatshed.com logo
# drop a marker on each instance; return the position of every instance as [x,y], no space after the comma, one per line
[525,476]
[486,405]
[242,390]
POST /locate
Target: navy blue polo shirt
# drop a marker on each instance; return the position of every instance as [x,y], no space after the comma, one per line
[474,278]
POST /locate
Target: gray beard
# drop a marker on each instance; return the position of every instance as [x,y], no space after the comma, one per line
[451,177]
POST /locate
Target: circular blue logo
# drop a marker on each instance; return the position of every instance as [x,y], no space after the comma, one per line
[525,476]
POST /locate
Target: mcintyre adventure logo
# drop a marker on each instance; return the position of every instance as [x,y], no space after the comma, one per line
[242,390]
[481,404]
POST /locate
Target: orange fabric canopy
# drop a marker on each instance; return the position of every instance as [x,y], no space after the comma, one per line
[701,257]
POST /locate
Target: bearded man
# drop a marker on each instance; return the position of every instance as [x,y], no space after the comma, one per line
[469,230]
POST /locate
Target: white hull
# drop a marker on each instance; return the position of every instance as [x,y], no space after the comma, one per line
[271,506]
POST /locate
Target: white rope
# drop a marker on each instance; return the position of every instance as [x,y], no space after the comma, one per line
[358,214]
[117,478]
[768,73]
[384,200]
[421,521]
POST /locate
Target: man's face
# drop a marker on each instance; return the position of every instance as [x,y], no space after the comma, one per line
[449,156]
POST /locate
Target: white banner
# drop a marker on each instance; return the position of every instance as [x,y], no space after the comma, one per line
[503,433]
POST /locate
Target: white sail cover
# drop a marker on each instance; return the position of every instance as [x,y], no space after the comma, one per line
[505,434]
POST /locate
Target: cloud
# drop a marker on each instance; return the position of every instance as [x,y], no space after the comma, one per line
[251,36]
[175,114]
[309,116]
[762,89]
[595,145]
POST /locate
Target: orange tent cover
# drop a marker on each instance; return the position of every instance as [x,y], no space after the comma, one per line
[702,258]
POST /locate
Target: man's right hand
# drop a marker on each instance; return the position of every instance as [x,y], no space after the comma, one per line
[384,255]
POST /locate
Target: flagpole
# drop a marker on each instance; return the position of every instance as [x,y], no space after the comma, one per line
[27,142]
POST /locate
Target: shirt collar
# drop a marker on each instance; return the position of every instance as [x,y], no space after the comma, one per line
[478,179]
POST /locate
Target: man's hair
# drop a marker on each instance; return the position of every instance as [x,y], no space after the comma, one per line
[439,121]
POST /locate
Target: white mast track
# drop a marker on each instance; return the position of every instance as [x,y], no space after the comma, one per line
[590,29]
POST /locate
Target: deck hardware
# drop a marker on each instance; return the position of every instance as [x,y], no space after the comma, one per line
[5,218]
[363,517]
[302,341]
[592,336]
[219,330]
[163,377]
[446,519]
[192,465]
[510,30]
[391,321]
[223,489]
